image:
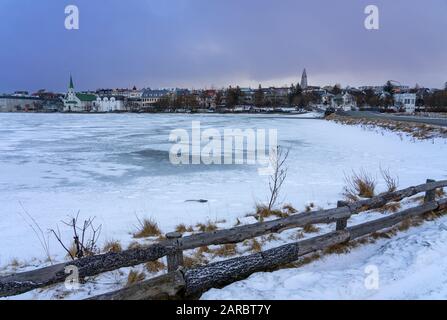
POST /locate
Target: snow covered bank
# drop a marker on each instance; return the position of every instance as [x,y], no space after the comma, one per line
[412,265]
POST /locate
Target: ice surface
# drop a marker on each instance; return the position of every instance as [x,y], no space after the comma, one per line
[116,167]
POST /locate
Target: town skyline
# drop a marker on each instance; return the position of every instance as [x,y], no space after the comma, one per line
[297,80]
[198,44]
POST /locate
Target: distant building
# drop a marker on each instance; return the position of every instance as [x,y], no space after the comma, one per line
[17,103]
[78,102]
[326,98]
[304,83]
[110,104]
[345,101]
[208,99]
[406,101]
[150,97]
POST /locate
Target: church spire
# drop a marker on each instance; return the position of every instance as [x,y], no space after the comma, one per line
[304,80]
[71,83]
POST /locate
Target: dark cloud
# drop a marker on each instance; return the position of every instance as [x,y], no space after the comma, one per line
[220,42]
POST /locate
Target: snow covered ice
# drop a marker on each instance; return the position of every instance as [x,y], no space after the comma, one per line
[116,168]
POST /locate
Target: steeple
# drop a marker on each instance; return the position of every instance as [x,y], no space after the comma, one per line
[304,80]
[71,83]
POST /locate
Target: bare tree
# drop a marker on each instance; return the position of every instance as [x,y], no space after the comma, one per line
[279,175]
[85,237]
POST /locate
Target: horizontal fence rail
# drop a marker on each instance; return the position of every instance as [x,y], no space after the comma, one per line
[23,282]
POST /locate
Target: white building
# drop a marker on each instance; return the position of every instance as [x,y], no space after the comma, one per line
[110,104]
[406,101]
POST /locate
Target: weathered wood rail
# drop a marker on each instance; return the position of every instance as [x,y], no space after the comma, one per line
[193,282]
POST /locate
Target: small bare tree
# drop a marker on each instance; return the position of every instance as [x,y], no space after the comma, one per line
[279,174]
[85,237]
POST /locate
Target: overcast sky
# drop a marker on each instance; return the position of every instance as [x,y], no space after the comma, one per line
[204,43]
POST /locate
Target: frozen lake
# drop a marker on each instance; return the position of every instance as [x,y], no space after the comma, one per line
[116,167]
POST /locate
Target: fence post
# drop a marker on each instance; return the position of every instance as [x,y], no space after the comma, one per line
[342,223]
[430,195]
[175,260]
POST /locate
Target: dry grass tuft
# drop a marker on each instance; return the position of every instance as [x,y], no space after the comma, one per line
[392,183]
[182,228]
[359,185]
[135,277]
[155,266]
[310,207]
[134,245]
[15,263]
[440,193]
[310,228]
[197,260]
[112,246]
[342,248]
[298,235]
[307,259]
[203,250]
[263,212]
[271,237]
[72,251]
[208,227]
[289,209]
[255,246]
[392,207]
[226,250]
[147,228]
[405,225]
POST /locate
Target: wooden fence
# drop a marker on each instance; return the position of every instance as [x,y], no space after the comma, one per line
[191,283]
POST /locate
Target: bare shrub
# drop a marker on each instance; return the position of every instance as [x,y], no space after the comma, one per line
[279,175]
[85,238]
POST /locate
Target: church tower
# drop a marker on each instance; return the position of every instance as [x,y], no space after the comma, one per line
[304,80]
[71,93]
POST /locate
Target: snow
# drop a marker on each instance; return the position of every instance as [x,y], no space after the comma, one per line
[116,168]
[412,265]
